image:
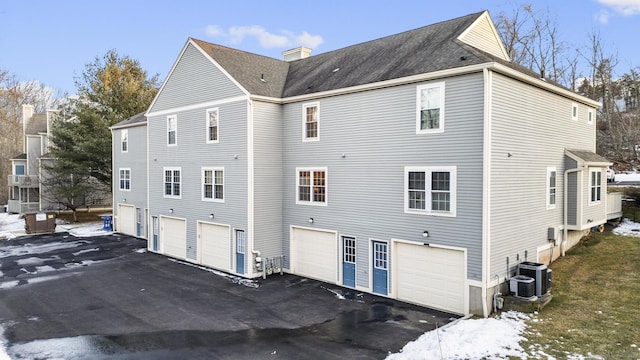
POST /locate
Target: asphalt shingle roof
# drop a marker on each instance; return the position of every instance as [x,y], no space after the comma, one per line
[423,50]
[260,75]
[135,119]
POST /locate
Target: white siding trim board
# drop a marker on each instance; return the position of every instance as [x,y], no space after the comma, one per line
[205,105]
[486,195]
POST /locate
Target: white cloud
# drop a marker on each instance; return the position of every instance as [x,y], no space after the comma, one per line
[602,17]
[213,30]
[623,7]
[285,39]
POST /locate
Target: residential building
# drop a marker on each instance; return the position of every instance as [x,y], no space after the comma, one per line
[27,191]
[422,166]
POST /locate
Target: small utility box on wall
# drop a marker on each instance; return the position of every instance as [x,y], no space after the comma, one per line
[553,235]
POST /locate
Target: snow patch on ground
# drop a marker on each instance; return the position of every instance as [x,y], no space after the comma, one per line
[12,226]
[627,228]
[234,279]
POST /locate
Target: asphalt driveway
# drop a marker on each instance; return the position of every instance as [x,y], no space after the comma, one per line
[99,297]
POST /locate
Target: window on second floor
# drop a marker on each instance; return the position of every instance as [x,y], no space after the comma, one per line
[125,179]
[591,116]
[574,111]
[172,130]
[213,184]
[311,122]
[311,186]
[124,140]
[430,108]
[212,126]
[551,187]
[172,182]
[595,184]
[430,190]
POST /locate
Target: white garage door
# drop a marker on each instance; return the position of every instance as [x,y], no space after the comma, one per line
[315,254]
[215,246]
[126,222]
[430,276]
[173,237]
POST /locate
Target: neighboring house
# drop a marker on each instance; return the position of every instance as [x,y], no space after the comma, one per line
[27,192]
[130,175]
[422,166]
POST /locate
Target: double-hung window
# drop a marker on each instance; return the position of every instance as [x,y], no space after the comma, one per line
[213,127]
[172,130]
[125,179]
[172,182]
[311,186]
[124,140]
[595,184]
[430,190]
[311,122]
[551,187]
[430,108]
[213,184]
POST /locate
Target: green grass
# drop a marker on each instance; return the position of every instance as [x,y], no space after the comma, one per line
[596,301]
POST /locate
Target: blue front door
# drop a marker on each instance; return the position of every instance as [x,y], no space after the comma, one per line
[156,227]
[348,261]
[380,268]
[241,245]
[139,221]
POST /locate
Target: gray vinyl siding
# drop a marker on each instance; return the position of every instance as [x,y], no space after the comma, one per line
[376,132]
[194,80]
[136,160]
[34,151]
[267,157]
[191,154]
[530,130]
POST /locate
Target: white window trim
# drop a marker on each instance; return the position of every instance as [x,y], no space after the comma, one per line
[429,169]
[591,171]
[176,130]
[120,179]
[213,170]
[419,89]
[591,116]
[208,111]
[304,122]
[548,188]
[172,169]
[124,138]
[326,186]
[574,108]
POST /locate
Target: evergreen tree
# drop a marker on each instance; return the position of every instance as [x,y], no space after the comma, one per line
[111,89]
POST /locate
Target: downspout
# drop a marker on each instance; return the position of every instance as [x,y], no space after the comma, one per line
[565,231]
[257,259]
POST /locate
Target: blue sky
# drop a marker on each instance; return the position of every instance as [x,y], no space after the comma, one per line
[51,41]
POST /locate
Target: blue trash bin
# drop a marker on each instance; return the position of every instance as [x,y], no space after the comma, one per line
[107,223]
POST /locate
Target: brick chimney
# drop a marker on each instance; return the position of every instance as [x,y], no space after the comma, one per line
[296,54]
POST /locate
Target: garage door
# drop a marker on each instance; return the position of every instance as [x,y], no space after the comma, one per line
[126,221]
[430,276]
[215,246]
[173,237]
[315,254]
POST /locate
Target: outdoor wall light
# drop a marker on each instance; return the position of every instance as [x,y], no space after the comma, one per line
[425,234]
[124,200]
[210,216]
[311,220]
[171,210]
